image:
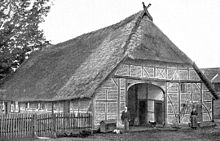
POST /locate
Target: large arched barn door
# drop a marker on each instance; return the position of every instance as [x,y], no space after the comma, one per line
[145,103]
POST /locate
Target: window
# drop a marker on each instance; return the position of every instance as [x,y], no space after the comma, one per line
[217,87]
[182,87]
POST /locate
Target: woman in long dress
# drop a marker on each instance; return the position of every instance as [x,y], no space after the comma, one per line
[193,118]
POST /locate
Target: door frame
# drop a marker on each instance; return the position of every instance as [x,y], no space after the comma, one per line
[132,83]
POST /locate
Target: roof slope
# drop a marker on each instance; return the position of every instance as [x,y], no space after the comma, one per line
[75,68]
[213,74]
[155,45]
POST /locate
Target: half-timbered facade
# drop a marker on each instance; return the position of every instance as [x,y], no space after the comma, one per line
[142,84]
[131,63]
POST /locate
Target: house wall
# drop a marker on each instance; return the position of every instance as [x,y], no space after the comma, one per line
[110,98]
[76,106]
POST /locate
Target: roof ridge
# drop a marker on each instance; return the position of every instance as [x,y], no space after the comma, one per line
[134,30]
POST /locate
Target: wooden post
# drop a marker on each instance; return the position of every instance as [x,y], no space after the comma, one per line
[137,105]
[213,109]
[66,111]
[53,121]
[19,107]
[165,105]
[201,101]
[54,125]
[34,125]
[119,93]
[52,108]
[146,104]
[126,92]
[179,101]
[93,114]
[7,107]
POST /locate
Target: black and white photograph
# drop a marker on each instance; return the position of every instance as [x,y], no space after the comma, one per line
[104,70]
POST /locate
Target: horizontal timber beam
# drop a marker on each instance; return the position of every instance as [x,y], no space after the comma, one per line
[157,80]
[104,100]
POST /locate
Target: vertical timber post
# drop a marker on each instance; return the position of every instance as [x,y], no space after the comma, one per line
[201,101]
[7,107]
[119,92]
[146,105]
[66,110]
[213,109]
[179,101]
[53,120]
[34,125]
[93,113]
[165,105]
[19,107]
[52,107]
[165,100]
[126,93]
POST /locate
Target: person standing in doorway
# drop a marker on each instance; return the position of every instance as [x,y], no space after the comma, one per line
[125,117]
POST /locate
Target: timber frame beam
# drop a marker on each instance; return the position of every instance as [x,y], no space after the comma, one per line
[157,80]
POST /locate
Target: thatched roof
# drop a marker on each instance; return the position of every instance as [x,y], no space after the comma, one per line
[213,74]
[76,68]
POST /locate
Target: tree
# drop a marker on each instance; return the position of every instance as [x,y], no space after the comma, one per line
[19,31]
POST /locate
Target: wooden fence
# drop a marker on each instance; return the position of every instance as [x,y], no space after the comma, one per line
[29,125]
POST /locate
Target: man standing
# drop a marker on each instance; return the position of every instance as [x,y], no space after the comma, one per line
[125,117]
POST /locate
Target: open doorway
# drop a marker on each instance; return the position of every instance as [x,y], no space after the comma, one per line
[145,103]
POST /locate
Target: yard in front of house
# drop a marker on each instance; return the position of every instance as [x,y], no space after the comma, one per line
[208,134]
[204,134]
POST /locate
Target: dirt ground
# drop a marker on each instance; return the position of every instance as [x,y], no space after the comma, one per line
[205,134]
[210,134]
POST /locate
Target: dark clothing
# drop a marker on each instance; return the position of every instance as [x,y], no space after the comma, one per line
[125,117]
[193,119]
[194,113]
[126,124]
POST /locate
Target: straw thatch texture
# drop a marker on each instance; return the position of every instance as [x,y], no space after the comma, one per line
[71,69]
[76,68]
[156,46]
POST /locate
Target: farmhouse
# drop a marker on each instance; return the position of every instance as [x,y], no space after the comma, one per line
[131,63]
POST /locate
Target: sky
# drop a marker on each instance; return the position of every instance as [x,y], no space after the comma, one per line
[192,25]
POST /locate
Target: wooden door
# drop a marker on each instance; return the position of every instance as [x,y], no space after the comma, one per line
[142,114]
[132,103]
[159,112]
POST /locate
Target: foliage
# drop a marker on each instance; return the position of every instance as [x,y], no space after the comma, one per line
[19,31]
